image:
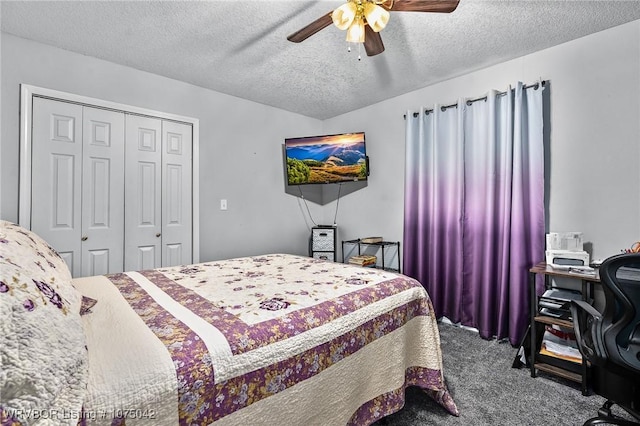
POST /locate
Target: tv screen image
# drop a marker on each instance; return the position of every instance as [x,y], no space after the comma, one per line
[326,159]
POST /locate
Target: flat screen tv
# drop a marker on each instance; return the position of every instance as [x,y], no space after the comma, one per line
[326,159]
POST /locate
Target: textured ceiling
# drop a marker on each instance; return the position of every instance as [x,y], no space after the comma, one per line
[240,47]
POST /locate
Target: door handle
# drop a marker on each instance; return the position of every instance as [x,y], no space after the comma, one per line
[158,235]
[84,238]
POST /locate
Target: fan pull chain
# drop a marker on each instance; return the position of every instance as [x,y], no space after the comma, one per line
[359,50]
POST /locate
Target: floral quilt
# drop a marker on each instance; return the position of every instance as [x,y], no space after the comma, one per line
[274,339]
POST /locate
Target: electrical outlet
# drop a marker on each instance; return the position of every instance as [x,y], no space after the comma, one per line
[223,204]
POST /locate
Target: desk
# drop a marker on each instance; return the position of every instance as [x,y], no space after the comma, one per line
[576,372]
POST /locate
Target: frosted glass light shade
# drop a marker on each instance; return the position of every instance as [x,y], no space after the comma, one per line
[377,17]
[344,16]
[355,33]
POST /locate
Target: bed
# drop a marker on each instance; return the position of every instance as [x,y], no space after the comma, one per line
[273,339]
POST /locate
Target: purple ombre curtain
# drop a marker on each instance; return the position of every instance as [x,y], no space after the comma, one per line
[474,208]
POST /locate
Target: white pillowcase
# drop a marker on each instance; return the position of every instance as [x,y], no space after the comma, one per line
[42,344]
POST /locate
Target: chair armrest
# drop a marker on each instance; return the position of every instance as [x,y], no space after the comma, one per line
[587,323]
[587,308]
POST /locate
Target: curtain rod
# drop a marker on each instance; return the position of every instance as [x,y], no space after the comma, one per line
[471,101]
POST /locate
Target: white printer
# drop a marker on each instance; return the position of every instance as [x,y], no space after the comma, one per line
[566,249]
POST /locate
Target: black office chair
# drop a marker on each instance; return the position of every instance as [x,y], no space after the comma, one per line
[611,340]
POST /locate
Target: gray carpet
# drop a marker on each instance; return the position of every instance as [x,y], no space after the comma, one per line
[488,391]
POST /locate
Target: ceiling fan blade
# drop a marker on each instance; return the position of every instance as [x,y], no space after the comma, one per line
[442,6]
[311,29]
[372,42]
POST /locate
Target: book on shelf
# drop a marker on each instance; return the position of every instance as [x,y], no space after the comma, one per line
[560,344]
[363,260]
[545,351]
[371,240]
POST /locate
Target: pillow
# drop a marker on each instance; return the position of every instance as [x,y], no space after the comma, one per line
[42,344]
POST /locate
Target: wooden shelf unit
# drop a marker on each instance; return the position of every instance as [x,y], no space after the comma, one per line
[577,372]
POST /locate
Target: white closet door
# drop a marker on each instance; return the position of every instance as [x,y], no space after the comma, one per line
[176,194]
[56,177]
[102,192]
[143,221]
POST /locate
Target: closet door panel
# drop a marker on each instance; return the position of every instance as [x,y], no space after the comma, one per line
[177,227]
[97,262]
[143,219]
[102,192]
[146,257]
[173,254]
[56,177]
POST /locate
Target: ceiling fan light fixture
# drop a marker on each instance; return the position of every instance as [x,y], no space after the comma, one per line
[344,16]
[354,16]
[377,17]
[355,32]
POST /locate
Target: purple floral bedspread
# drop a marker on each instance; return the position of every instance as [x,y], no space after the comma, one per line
[276,321]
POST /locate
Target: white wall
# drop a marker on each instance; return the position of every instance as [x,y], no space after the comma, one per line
[594,129]
[240,145]
[594,137]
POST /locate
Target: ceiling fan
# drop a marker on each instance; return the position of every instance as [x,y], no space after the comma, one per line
[364,19]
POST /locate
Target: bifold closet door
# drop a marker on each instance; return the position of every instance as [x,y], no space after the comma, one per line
[143,173]
[177,227]
[77,185]
[56,177]
[158,193]
[102,192]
